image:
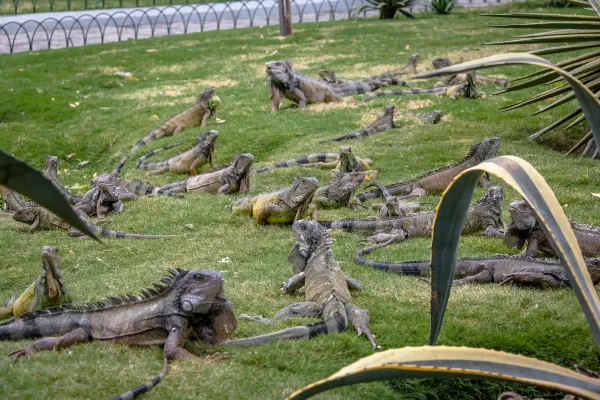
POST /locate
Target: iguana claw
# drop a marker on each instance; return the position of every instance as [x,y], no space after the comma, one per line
[17,354]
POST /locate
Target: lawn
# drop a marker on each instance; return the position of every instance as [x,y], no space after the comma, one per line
[111,114]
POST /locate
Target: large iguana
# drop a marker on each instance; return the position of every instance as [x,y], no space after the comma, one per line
[393,206]
[51,172]
[198,114]
[283,206]
[436,181]
[340,192]
[13,201]
[501,269]
[232,178]
[48,290]
[484,215]
[41,219]
[187,305]
[439,63]
[326,288]
[467,89]
[524,227]
[385,123]
[188,161]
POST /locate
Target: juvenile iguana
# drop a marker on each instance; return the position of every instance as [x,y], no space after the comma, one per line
[197,114]
[232,178]
[439,63]
[524,227]
[436,181]
[500,269]
[48,290]
[41,219]
[283,206]
[188,161]
[340,192]
[326,288]
[285,82]
[385,123]
[484,215]
[186,305]
[393,206]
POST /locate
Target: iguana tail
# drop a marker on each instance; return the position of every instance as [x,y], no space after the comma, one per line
[135,392]
[149,138]
[357,134]
[490,80]
[402,268]
[304,160]
[384,190]
[46,322]
[350,89]
[373,194]
[140,162]
[441,89]
[143,189]
[109,233]
[362,225]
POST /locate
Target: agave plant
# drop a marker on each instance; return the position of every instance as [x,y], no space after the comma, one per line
[441,361]
[20,177]
[581,32]
[442,6]
[388,9]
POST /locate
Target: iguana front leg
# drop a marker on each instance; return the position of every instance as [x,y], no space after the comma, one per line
[300,97]
[79,335]
[205,117]
[263,216]
[359,319]
[224,189]
[173,349]
[294,283]
[303,309]
[484,276]
[35,224]
[353,284]
[194,165]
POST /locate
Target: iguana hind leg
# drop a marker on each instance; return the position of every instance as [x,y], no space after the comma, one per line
[535,278]
[484,276]
[303,309]
[79,335]
[160,170]
[359,319]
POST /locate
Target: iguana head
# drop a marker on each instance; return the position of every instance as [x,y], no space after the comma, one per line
[328,76]
[345,184]
[51,164]
[102,179]
[280,73]
[241,169]
[389,110]
[412,61]
[308,235]
[206,142]
[593,265]
[26,215]
[470,85]
[302,190]
[198,290]
[439,63]
[51,277]
[348,162]
[206,96]
[486,149]
[522,216]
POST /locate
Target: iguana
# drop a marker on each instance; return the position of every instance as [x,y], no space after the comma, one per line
[332,79]
[197,114]
[393,206]
[500,269]
[285,82]
[467,89]
[484,215]
[232,178]
[384,123]
[326,288]
[283,206]
[41,219]
[348,162]
[51,172]
[48,290]
[436,181]
[409,68]
[340,192]
[186,305]
[524,227]
[188,161]
[581,370]
[14,201]
[439,63]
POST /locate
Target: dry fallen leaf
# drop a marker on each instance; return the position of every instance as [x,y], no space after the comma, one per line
[52,99]
[72,105]
[65,170]
[20,69]
[80,74]
[71,155]
[189,226]
[273,53]
[151,51]
[95,175]
[153,118]
[220,121]
[407,46]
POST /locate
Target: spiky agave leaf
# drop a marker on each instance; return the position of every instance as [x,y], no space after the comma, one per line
[388,9]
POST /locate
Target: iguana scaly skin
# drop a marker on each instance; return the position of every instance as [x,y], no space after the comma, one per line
[525,227]
[439,63]
[232,178]
[41,219]
[51,172]
[368,84]
[187,305]
[437,181]
[393,206]
[283,206]
[13,201]
[189,161]
[340,192]
[500,269]
[385,123]
[48,290]
[484,215]
[285,82]
[197,114]
[326,288]
[348,162]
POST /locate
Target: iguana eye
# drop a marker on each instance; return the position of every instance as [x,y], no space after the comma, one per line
[303,227]
[199,278]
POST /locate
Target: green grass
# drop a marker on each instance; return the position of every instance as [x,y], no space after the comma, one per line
[36,120]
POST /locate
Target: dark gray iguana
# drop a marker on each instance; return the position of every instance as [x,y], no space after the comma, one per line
[187,305]
[340,192]
[197,114]
[13,201]
[186,162]
[326,288]
[232,178]
[524,227]
[283,206]
[436,181]
[384,123]
[485,215]
[51,172]
[393,206]
[439,63]
[48,290]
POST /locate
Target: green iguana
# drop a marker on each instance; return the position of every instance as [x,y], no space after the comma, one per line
[524,227]
[14,201]
[484,215]
[232,178]
[48,290]
[197,114]
[500,269]
[188,161]
[285,82]
[340,192]
[393,206]
[436,181]
[384,123]
[348,162]
[439,63]
[41,219]
[283,206]
[326,288]
[330,78]
[467,89]
[187,305]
